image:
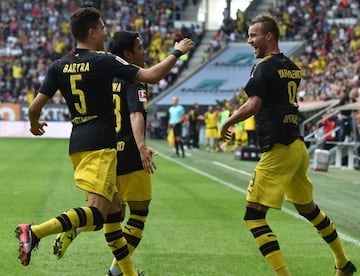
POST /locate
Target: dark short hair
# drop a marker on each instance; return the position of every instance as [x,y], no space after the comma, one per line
[268,24]
[123,41]
[82,20]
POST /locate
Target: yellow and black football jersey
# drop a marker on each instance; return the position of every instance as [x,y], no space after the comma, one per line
[275,80]
[128,98]
[85,79]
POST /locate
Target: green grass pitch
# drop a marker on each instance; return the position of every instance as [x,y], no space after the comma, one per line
[195,223]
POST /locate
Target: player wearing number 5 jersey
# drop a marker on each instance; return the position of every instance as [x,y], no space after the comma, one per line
[282,169]
[83,74]
[135,162]
[84,78]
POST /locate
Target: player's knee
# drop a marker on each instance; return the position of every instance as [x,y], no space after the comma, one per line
[98,218]
[253,214]
[304,209]
[309,214]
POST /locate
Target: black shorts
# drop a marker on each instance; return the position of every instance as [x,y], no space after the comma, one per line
[177,129]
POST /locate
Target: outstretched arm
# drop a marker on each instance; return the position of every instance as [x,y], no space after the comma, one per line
[155,73]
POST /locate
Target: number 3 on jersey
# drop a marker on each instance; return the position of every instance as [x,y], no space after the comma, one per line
[117,101]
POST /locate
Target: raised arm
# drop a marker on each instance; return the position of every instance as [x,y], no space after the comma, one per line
[155,73]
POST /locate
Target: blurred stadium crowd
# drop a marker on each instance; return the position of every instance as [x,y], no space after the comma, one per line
[34,33]
[331,31]
[330,63]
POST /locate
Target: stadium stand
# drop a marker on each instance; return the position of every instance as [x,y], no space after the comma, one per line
[35,33]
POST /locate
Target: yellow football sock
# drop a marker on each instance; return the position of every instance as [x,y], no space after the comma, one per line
[328,232]
[268,245]
[118,245]
[73,218]
[133,230]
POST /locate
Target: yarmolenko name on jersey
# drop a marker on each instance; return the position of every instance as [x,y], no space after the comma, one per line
[76,67]
[291,74]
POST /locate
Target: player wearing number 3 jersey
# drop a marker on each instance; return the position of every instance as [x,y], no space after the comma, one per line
[135,158]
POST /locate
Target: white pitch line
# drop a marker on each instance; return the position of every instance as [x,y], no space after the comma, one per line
[236,188]
[231,168]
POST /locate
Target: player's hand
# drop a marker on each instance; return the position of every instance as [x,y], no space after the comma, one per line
[147,161]
[152,151]
[38,128]
[184,45]
[225,132]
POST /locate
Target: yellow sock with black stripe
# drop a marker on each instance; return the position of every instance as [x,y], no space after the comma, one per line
[327,231]
[134,228]
[117,243]
[266,240]
[73,218]
[133,231]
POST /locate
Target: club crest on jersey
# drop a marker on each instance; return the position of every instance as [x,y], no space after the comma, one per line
[119,59]
[142,95]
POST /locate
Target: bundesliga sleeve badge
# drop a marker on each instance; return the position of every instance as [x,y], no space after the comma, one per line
[142,95]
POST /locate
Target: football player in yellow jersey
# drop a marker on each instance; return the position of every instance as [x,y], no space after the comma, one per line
[223,115]
[211,118]
[240,136]
[250,128]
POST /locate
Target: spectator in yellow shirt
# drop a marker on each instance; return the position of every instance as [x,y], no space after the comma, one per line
[250,128]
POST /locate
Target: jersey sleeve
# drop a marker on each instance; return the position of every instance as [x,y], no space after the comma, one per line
[121,68]
[137,97]
[50,85]
[257,84]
